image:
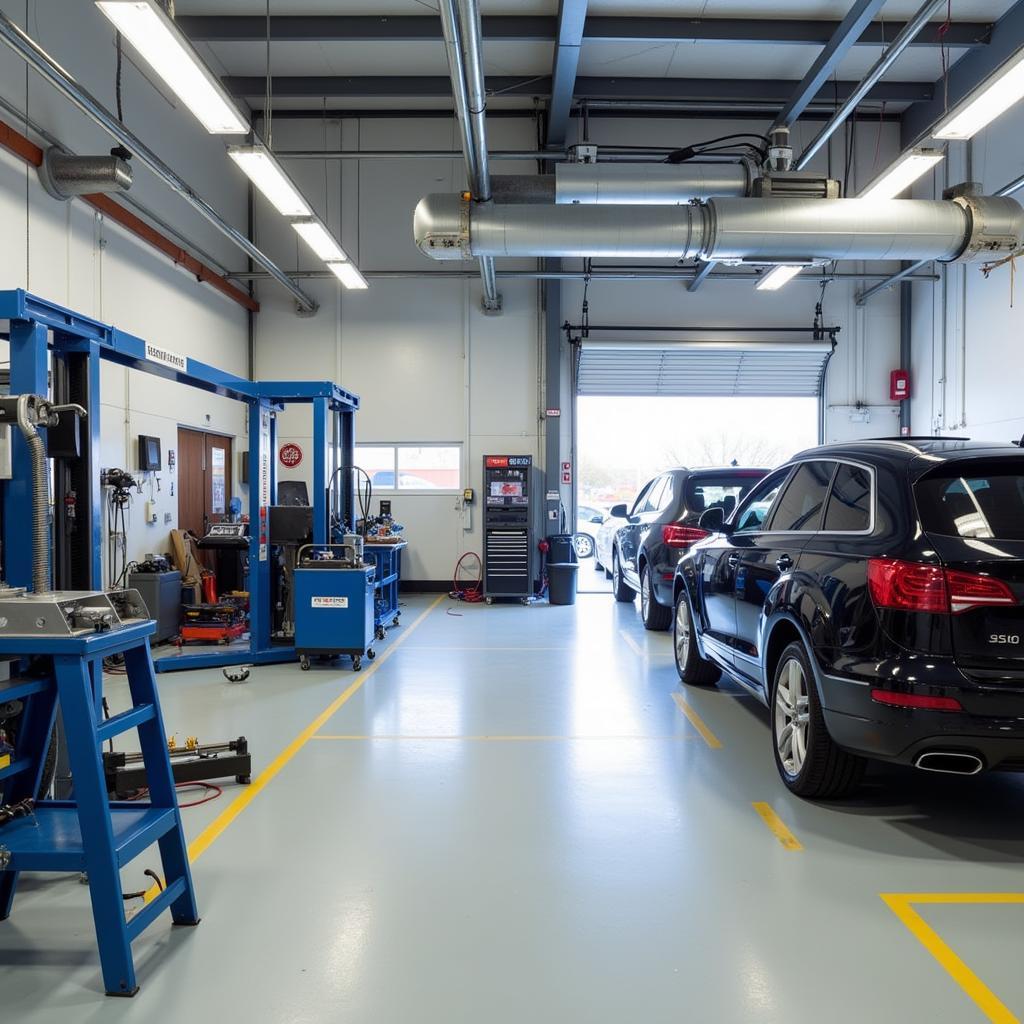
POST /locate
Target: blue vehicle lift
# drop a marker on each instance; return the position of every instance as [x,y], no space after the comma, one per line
[78,344]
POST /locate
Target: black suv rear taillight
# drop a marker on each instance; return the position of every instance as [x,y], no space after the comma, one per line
[920,587]
[676,536]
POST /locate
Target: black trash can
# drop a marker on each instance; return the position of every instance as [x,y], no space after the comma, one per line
[561,548]
[562,582]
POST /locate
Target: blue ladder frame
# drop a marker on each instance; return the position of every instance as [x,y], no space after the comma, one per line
[91,834]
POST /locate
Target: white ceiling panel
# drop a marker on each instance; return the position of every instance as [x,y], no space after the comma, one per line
[380,7]
[964,10]
[371,58]
[745,60]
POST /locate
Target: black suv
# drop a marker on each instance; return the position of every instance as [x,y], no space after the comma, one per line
[872,595]
[661,526]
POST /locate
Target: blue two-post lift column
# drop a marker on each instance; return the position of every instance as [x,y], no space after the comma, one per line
[38,326]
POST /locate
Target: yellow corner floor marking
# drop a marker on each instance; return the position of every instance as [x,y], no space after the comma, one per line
[698,723]
[901,904]
[202,842]
[494,738]
[777,826]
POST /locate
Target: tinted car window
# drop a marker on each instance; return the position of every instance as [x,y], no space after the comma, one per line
[641,498]
[667,496]
[849,505]
[974,499]
[799,508]
[724,492]
[752,515]
[653,496]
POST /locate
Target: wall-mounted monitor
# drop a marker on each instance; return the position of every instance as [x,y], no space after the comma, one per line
[149,453]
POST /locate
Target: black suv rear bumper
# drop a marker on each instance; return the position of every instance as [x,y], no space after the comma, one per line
[902,735]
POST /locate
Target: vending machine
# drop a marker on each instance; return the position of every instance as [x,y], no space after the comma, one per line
[513,510]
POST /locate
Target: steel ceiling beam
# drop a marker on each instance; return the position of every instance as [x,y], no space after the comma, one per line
[539,28]
[571,17]
[680,89]
[966,74]
[846,34]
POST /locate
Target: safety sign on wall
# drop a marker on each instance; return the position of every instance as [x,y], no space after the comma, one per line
[566,472]
[290,455]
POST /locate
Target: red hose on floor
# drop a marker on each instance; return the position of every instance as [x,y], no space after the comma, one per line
[470,591]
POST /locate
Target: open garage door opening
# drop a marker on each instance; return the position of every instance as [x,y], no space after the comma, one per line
[628,445]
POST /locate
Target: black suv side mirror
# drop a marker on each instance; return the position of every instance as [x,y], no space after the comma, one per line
[618,511]
[713,520]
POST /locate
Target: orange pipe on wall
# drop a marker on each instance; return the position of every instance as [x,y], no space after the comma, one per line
[18,144]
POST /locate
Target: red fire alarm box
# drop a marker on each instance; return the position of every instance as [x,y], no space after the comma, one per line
[899,385]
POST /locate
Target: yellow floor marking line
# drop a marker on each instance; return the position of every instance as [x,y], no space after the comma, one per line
[901,904]
[698,723]
[777,826]
[631,643]
[526,738]
[203,841]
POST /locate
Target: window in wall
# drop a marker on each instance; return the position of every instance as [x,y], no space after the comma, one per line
[433,467]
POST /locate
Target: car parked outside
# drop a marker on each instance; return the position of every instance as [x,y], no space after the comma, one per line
[662,525]
[871,594]
[604,541]
[588,521]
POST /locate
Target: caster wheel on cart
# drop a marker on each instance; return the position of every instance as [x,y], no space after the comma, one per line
[394,621]
[243,780]
[380,633]
[371,654]
[357,664]
[490,600]
[304,663]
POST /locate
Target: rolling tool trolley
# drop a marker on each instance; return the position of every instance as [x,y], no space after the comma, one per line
[334,604]
[387,559]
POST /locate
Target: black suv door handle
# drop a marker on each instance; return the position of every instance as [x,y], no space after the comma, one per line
[733,560]
[783,562]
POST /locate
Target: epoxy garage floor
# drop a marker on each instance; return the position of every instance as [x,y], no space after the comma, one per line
[517,814]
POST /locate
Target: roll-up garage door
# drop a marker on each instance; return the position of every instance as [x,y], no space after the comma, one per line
[693,368]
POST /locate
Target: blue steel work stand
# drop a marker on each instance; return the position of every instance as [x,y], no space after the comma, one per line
[388,560]
[90,833]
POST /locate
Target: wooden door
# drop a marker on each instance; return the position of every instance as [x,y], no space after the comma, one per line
[191,480]
[204,479]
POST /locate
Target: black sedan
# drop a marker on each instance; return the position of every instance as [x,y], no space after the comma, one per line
[872,596]
[661,526]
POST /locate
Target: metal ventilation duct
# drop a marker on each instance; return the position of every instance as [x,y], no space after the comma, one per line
[65,175]
[649,184]
[446,227]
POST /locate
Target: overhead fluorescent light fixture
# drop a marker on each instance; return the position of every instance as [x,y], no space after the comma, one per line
[163,46]
[260,166]
[319,239]
[985,103]
[348,274]
[775,279]
[902,174]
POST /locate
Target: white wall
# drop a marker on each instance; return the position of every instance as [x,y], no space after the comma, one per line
[67,253]
[966,361]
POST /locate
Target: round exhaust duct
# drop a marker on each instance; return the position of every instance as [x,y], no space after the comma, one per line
[64,175]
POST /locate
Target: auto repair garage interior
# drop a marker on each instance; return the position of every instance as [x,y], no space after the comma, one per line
[299,303]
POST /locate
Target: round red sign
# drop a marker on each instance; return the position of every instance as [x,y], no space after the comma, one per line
[290,455]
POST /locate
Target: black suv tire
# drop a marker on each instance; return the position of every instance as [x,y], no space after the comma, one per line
[809,762]
[655,616]
[620,588]
[692,668]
